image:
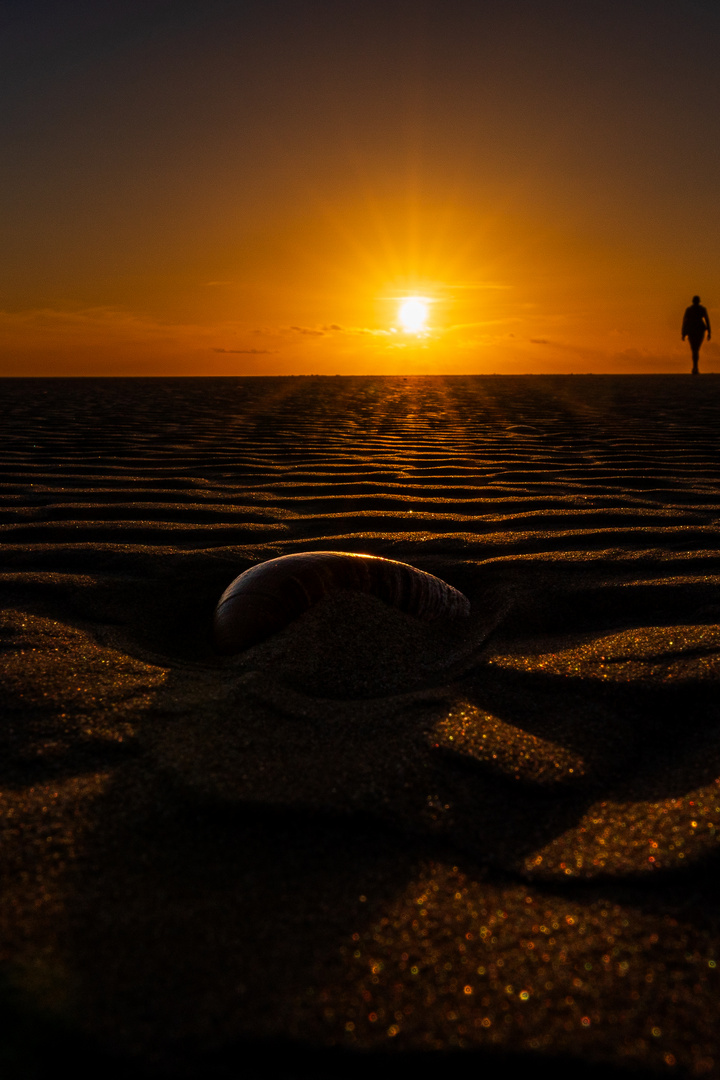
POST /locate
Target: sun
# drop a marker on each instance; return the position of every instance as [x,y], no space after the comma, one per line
[412,314]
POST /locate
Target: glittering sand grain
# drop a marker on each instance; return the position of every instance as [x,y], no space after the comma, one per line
[494,839]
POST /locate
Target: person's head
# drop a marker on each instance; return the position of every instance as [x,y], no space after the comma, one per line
[696,299]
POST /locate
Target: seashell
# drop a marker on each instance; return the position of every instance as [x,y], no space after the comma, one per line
[272,594]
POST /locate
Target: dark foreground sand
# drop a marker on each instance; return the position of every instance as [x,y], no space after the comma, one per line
[367,843]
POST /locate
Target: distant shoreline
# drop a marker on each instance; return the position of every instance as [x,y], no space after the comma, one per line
[685,375]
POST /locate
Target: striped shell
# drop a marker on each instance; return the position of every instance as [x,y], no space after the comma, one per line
[268,596]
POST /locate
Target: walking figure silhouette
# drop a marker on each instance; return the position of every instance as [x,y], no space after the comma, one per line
[695,323]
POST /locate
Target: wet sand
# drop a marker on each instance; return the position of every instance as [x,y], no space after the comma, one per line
[367,842]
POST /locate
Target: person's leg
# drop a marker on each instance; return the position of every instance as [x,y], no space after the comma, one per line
[695,344]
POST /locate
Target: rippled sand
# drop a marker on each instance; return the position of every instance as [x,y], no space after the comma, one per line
[496,837]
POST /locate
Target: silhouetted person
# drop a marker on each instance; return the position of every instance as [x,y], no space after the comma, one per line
[695,323]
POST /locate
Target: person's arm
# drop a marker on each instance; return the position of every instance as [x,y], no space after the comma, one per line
[707,320]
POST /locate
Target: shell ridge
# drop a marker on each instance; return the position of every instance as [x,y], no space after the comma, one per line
[269,595]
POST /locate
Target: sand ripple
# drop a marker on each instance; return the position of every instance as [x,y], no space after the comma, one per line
[567,733]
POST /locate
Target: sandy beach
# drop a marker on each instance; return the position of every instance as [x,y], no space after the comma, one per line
[367,841]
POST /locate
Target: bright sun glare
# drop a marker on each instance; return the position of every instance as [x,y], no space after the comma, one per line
[412,314]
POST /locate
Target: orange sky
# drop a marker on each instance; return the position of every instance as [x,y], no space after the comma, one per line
[219,188]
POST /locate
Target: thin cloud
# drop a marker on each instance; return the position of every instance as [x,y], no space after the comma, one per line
[476,286]
[308,331]
[482,323]
[252,352]
[355,330]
